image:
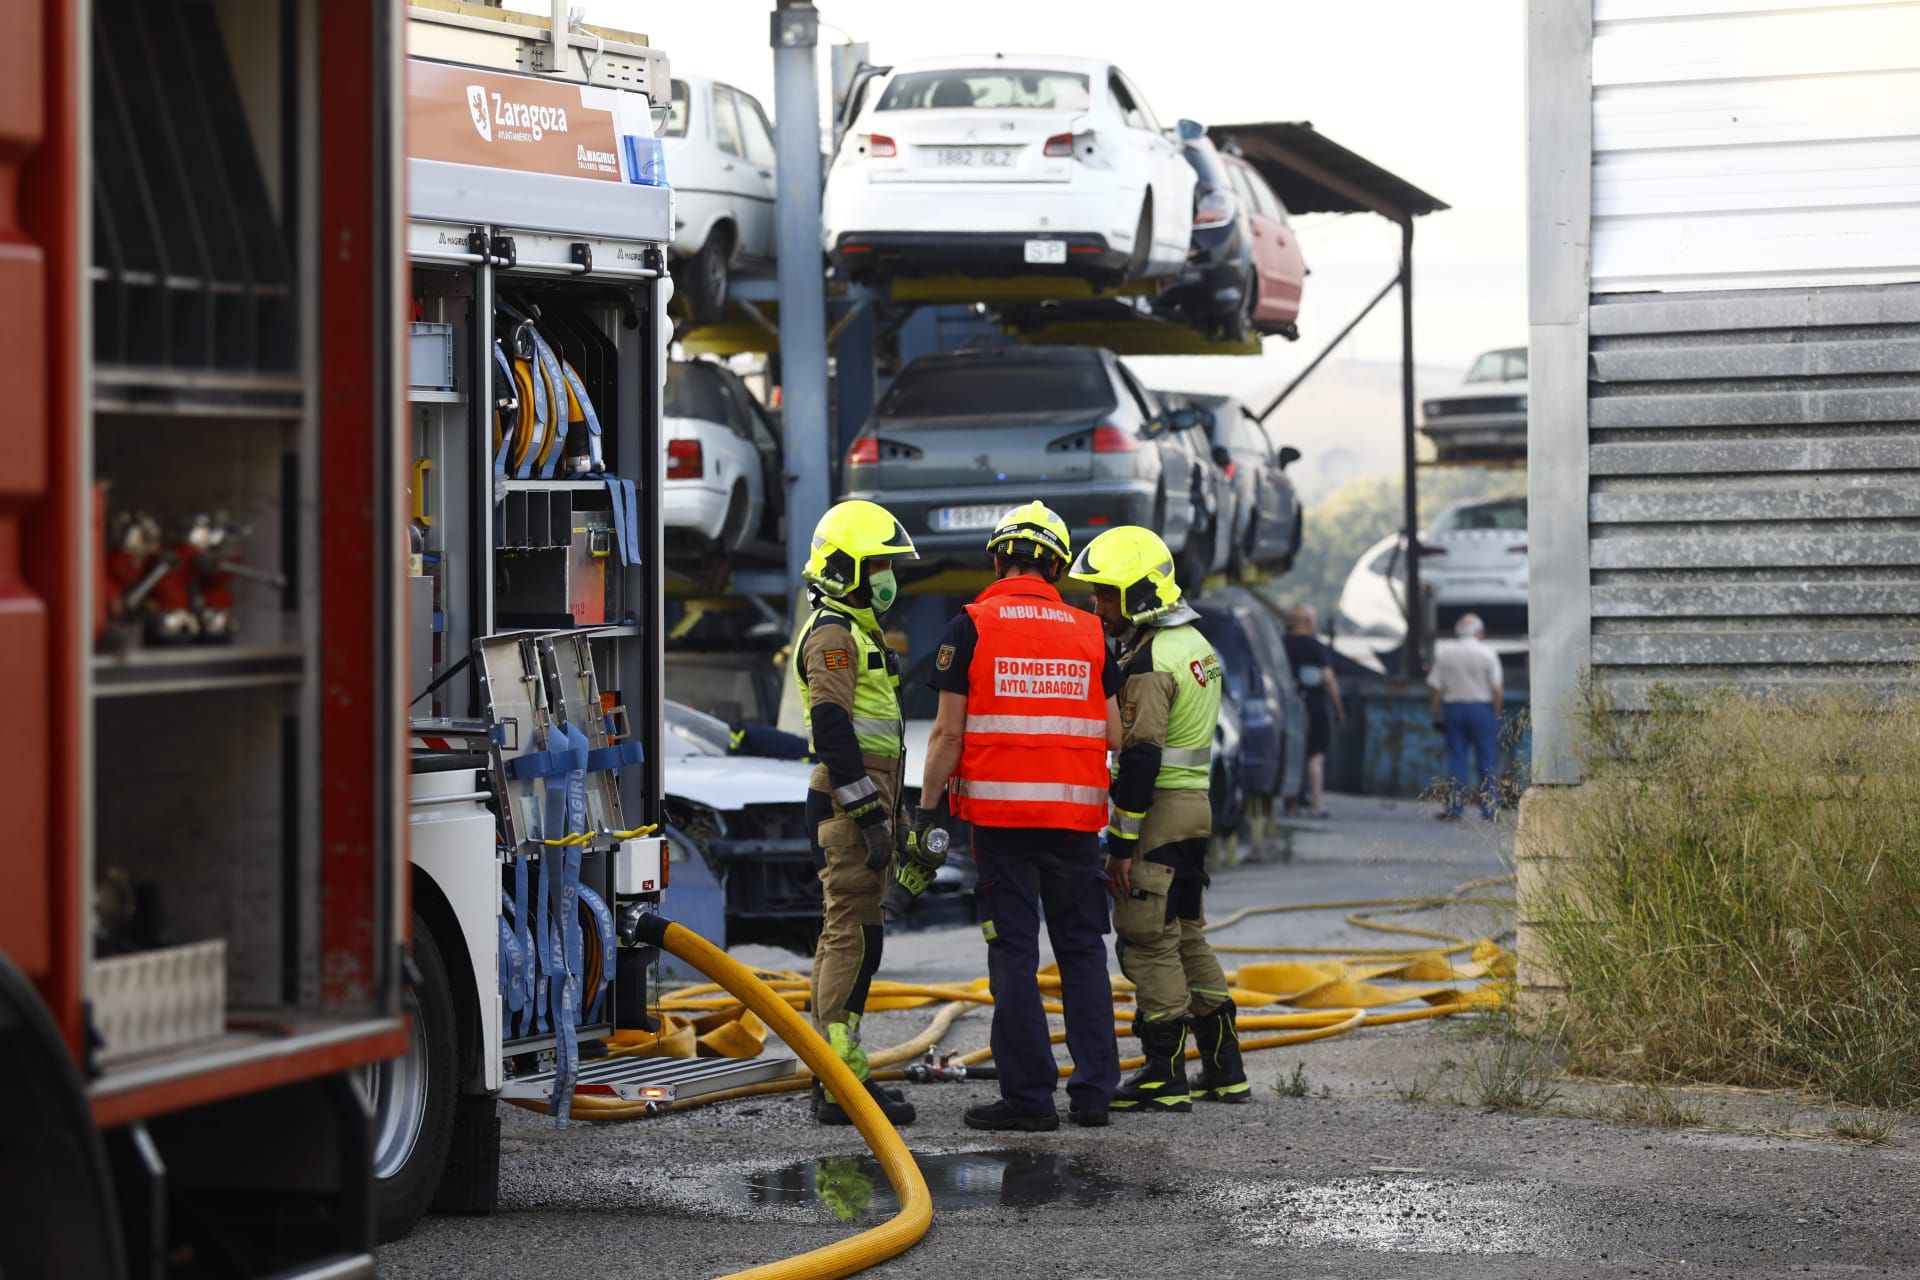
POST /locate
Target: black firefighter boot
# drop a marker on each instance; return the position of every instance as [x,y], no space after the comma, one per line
[1160,1085]
[1222,1078]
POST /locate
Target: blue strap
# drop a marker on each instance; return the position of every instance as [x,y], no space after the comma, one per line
[617,756]
[625,498]
[603,925]
[504,370]
[579,388]
[567,940]
[540,420]
[523,927]
[513,963]
[541,764]
[558,417]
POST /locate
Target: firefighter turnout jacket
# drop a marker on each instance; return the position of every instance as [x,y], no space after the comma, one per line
[1168,710]
[849,690]
[1035,752]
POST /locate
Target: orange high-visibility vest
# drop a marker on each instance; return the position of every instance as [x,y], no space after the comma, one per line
[1036,736]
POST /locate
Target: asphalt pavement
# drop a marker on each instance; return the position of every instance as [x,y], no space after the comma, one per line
[1370,1155]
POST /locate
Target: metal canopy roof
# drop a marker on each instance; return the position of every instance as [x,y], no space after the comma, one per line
[1311,173]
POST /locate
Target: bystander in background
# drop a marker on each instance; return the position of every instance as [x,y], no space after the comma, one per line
[1320,688]
[1466,692]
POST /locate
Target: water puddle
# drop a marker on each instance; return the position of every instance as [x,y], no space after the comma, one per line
[1401,1215]
[847,1188]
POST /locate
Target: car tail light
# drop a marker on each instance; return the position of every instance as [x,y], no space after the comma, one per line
[1428,552]
[1213,209]
[880,147]
[1230,468]
[1108,438]
[1518,551]
[1060,144]
[864,452]
[1098,520]
[685,460]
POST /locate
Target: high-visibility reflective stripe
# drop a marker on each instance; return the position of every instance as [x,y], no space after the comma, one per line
[877,727]
[1056,792]
[854,792]
[1186,757]
[1063,726]
[1128,824]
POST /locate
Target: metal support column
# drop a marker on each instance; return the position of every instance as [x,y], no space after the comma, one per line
[803,311]
[855,378]
[1410,666]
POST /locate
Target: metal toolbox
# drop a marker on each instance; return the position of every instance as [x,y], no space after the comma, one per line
[430,356]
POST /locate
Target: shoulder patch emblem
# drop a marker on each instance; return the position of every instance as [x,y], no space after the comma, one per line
[836,659]
[1129,712]
[944,659]
[1199,673]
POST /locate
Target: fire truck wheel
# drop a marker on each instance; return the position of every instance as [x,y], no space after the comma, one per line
[53,1168]
[413,1096]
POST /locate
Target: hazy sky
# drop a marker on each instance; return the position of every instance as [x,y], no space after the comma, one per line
[1432,90]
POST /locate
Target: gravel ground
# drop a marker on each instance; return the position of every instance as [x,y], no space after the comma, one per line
[1350,1180]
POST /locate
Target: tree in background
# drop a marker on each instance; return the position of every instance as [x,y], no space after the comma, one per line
[1366,509]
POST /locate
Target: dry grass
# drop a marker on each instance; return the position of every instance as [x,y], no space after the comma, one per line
[1741,900]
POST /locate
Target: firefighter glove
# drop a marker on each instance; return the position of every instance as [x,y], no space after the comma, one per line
[925,844]
[910,880]
[879,839]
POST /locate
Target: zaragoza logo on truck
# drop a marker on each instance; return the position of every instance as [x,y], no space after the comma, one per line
[512,121]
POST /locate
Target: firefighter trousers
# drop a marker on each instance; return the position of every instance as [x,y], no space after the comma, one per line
[1162,944]
[848,954]
[1025,872]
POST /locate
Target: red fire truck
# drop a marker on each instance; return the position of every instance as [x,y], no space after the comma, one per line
[202,891]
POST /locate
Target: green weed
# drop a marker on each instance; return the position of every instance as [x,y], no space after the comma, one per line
[1739,899]
[1295,1085]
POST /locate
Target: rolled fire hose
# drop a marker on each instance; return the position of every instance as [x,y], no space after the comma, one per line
[876,1244]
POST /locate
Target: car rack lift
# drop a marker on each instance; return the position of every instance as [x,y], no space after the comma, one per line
[800,312]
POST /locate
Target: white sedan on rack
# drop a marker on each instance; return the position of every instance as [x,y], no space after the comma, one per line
[1006,165]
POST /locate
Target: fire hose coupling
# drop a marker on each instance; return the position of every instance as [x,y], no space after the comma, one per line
[648,929]
[944,1069]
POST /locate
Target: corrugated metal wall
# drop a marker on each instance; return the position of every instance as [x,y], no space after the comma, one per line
[1754,488]
[1754,143]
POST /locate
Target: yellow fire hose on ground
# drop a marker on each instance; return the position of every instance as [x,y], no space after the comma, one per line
[876,1244]
[1331,999]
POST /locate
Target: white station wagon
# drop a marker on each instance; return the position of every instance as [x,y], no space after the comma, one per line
[1005,165]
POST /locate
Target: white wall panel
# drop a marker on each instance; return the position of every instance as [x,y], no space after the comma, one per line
[1750,143]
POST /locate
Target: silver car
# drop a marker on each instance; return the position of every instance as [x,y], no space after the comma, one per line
[960,438]
[1485,420]
[1266,517]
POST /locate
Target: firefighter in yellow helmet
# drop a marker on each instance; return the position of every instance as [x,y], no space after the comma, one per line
[1161,821]
[849,680]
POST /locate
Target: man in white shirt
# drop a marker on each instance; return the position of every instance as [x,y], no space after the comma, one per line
[1465,691]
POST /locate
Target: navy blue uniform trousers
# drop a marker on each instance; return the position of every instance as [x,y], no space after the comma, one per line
[1023,872]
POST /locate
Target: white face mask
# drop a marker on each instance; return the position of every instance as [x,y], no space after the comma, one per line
[884,590]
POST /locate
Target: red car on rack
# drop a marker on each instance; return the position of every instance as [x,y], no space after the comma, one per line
[1244,272]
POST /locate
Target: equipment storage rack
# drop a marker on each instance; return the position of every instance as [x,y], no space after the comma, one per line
[206,892]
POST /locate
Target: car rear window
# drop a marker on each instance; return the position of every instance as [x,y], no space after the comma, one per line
[695,391]
[676,123]
[990,88]
[969,388]
[1489,515]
